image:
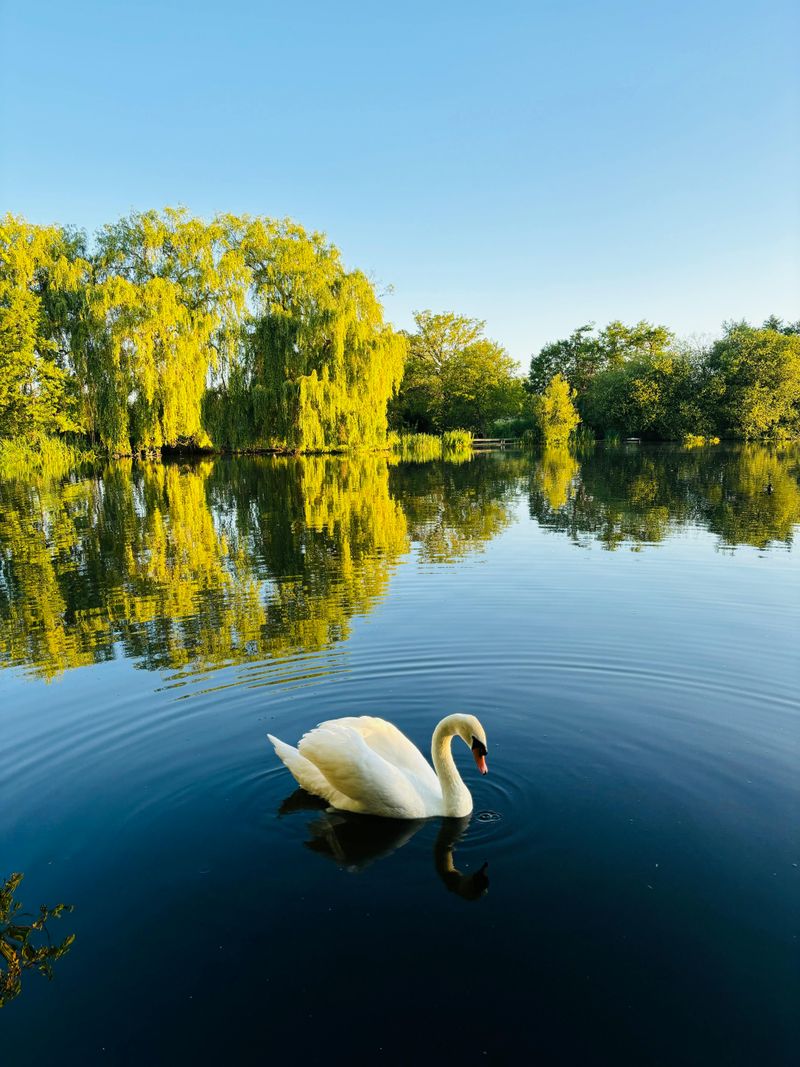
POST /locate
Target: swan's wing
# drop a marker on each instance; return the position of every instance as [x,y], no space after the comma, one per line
[384,738]
[305,773]
[354,768]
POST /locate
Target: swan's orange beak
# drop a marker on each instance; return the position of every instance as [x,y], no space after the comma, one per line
[480,761]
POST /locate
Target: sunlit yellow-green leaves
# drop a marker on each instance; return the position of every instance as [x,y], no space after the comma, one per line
[35,265]
[455,378]
[239,332]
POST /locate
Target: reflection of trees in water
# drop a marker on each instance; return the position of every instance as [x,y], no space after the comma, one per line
[228,561]
[555,474]
[185,565]
[757,498]
[218,562]
[326,531]
[454,509]
[25,942]
[748,495]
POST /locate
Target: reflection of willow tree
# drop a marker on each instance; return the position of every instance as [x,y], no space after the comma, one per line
[636,496]
[454,509]
[325,528]
[133,558]
[191,565]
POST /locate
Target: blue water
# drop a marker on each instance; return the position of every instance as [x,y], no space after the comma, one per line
[625,625]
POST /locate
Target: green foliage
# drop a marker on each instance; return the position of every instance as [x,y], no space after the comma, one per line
[583,355]
[638,381]
[659,396]
[319,362]
[456,377]
[757,381]
[36,265]
[416,446]
[247,333]
[454,441]
[166,296]
[173,326]
[20,949]
[556,414]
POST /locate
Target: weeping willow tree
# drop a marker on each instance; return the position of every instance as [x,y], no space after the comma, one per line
[238,332]
[37,264]
[318,363]
[164,300]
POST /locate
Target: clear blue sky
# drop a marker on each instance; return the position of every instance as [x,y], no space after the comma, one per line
[538,165]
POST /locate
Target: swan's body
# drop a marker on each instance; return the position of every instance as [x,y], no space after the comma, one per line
[366,765]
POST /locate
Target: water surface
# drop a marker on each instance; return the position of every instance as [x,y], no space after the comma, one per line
[624,623]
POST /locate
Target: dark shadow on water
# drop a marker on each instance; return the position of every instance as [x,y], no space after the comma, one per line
[356,841]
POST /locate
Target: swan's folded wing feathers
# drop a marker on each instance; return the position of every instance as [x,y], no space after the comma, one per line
[384,738]
[357,770]
[305,773]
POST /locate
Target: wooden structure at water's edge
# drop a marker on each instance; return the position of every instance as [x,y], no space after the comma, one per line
[496,442]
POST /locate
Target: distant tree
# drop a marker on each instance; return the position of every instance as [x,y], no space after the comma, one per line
[583,355]
[576,358]
[663,396]
[774,323]
[556,412]
[621,343]
[756,375]
[455,377]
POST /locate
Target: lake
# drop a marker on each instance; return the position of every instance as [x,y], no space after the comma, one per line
[624,623]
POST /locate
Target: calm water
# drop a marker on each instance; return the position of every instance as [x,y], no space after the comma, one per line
[626,627]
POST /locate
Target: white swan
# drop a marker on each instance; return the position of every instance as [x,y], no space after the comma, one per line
[366,765]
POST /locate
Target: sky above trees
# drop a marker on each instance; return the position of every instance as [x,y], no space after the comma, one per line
[531,164]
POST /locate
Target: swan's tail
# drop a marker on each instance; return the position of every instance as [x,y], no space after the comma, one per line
[303,770]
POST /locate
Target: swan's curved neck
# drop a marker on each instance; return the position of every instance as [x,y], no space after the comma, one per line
[455,795]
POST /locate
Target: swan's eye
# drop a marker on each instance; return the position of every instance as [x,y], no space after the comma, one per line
[478,747]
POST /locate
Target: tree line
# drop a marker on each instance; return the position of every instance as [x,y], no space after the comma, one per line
[167,330]
[249,333]
[620,380]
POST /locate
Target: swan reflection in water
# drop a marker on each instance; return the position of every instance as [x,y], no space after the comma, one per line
[356,841]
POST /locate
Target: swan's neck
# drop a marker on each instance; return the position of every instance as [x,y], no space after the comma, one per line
[457,800]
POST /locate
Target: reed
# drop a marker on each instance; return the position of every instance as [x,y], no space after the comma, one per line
[453,445]
[40,455]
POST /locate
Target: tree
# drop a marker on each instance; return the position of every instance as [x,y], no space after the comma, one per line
[663,395]
[757,381]
[321,362]
[576,358]
[165,294]
[455,377]
[556,412]
[36,263]
[774,323]
[580,357]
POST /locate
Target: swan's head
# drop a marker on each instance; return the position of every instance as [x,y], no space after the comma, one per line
[470,730]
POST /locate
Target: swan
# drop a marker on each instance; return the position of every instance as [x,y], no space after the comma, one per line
[366,765]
